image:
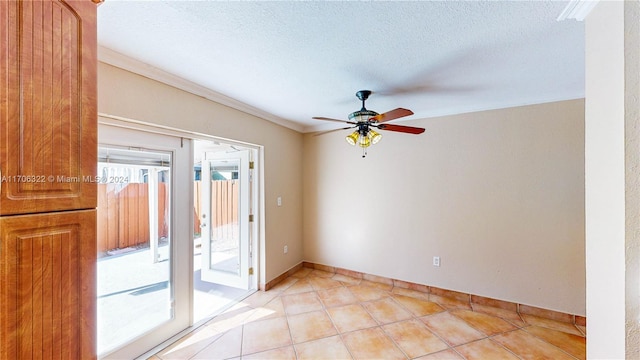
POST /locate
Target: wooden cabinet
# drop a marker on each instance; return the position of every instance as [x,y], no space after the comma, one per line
[48,106]
[48,157]
[47,298]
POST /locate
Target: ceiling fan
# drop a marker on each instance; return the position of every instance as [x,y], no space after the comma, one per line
[365,120]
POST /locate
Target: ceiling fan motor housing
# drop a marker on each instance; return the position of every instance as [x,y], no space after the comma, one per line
[362,115]
[363,129]
[363,94]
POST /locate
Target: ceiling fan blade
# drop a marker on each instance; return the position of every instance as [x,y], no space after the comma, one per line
[330,119]
[391,115]
[401,128]
[334,130]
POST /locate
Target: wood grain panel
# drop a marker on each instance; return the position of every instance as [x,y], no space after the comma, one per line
[47,298]
[47,105]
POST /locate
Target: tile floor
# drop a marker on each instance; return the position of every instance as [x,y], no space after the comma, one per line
[321,315]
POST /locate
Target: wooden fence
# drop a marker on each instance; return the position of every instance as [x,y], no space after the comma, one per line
[224,208]
[123,213]
[197,185]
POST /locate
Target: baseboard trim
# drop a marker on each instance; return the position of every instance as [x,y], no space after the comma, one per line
[270,284]
[521,309]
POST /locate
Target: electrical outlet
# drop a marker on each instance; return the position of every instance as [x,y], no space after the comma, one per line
[286,249]
[436,261]
[279,200]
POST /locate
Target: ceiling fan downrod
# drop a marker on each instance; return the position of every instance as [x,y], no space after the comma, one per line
[363,95]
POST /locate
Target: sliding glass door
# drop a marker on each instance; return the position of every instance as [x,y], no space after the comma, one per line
[144,237]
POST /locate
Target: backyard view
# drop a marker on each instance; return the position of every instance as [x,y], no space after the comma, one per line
[134,292]
[134,245]
[223,222]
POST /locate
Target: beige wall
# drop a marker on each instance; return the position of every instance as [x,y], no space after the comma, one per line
[498,195]
[124,94]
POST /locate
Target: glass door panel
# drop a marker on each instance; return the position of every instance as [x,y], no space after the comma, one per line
[225,239]
[134,261]
[225,218]
[144,248]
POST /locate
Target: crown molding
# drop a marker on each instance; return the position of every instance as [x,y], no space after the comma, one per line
[577,10]
[122,61]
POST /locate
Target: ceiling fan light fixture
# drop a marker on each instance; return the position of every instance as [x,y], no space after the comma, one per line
[374,136]
[364,141]
[364,121]
[352,138]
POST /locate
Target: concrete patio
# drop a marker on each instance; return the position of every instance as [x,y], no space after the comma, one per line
[134,295]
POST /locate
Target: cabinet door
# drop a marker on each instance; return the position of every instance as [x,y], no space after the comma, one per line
[48,115]
[47,297]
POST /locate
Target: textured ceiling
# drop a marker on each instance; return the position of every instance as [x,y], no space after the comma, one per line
[295,60]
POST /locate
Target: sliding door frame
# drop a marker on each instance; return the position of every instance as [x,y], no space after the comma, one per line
[180,296]
[184,255]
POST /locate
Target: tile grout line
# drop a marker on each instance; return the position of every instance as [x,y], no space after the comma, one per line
[364,276]
[326,310]
[448,310]
[413,317]
[418,318]
[506,348]
[242,343]
[341,334]
[360,303]
[494,342]
[390,294]
[295,353]
[557,347]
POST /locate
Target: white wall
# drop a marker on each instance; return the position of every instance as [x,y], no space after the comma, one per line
[498,195]
[613,180]
[632,178]
[604,178]
[127,95]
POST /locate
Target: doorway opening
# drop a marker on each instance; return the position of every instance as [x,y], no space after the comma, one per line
[172,256]
[223,231]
